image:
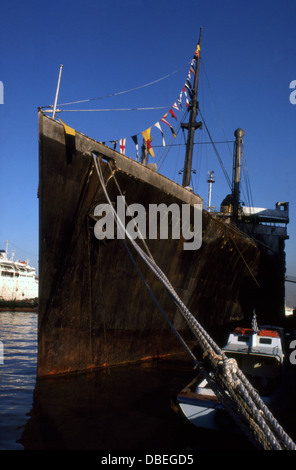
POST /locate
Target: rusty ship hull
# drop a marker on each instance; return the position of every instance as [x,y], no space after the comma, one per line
[94,309]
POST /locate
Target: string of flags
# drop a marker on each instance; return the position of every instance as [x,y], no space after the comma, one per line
[177,106]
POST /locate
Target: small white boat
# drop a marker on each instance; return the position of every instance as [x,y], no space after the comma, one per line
[259,355]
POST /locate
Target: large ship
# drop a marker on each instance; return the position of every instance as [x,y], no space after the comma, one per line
[100,303]
[18,283]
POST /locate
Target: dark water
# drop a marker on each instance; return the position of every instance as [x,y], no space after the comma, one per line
[130,408]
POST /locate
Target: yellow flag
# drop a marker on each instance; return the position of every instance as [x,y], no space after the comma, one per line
[146,135]
[197,50]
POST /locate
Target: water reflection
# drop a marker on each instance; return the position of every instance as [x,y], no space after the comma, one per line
[18,333]
[127,408]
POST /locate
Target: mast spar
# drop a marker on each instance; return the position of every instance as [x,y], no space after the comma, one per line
[192,125]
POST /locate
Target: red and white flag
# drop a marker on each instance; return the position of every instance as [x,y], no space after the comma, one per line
[122,145]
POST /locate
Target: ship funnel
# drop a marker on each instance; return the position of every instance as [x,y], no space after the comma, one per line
[239,133]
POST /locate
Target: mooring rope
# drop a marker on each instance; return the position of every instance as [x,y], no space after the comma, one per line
[232,386]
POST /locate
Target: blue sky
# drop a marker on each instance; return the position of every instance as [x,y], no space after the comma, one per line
[248,61]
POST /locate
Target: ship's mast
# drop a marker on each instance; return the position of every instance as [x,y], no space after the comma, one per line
[6,250]
[57,93]
[192,125]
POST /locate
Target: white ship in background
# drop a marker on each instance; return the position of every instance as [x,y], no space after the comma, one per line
[18,283]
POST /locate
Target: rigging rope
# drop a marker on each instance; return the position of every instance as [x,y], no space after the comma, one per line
[248,184]
[236,391]
[216,151]
[243,258]
[107,109]
[165,152]
[215,104]
[121,92]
